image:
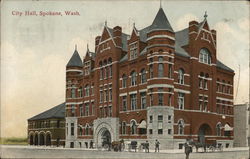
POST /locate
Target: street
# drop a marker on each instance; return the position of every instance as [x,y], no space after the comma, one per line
[40,152]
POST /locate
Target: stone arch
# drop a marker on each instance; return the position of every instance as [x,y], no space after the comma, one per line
[42,138]
[204,130]
[31,138]
[36,138]
[48,137]
[100,131]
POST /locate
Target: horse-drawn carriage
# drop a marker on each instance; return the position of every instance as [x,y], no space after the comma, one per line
[211,145]
[132,145]
[115,145]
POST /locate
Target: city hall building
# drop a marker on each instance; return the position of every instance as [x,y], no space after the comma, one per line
[155,83]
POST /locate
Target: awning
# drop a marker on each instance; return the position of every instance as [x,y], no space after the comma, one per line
[142,125]
[227,128]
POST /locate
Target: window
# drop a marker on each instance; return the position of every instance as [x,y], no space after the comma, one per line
[160,70]
[133,127]
[81,110]
[110,111]
[92,89]
[123,127]
[143,76]
[205,106]
[101,96]
[73,93]
[169,131]
[205,84]
[73,110]
[72,129]
[169,99]
[107,72]
[204,56]
[218,87]
[106,96]
[160,131]
[124,81]
[150,119]
[124,103]
[87,90]
[133,51]
[151,99]
[170,70]
[181,76]
[160,118]
[110,67]
[133,78]
[87,130]
[80,131]
[87,109]
[93,108]
[218,129]
[200,105]
[181,127]
[181,100]
[160,99]
[169,119]
[143,100]
[133,101]
[110,94]
[150,131]
[80,92]
[160,59]
[151,71]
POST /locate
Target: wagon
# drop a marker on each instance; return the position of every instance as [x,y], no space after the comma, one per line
[132,145]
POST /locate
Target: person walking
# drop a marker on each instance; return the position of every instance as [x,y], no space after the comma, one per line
[157,145]
[188,149]
[147,147]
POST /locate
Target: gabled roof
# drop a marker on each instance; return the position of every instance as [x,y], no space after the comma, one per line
[161,22]
[75,60]
[55,112]
[124,39]
[224,67]
[182,37]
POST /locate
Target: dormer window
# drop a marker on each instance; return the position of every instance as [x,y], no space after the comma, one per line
[204,56]
[133,51]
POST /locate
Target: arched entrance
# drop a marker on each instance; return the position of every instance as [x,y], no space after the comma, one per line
[106,137]
[36,139]
[41,137]
[31,139]
[204,130]
[48,139]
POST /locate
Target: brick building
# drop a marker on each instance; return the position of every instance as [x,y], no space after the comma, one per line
[48,128]
[155,83]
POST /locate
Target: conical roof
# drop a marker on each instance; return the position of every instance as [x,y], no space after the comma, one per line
[161,22]
[75,60]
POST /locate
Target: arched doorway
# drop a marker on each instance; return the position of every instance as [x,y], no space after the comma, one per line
[41,137]
[36,139]
[48,139]
[106,137]
[31,139]
[204,130]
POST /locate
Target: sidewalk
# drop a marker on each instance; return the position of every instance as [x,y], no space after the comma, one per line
[172,151]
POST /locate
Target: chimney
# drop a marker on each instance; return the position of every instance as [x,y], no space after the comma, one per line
[117,33]
[97,39]
[193,26]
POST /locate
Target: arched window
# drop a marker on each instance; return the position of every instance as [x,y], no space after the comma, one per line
[204,56]
[87,90]
[218,129]
[133,78]
[124,81]
[181,76]
[181,127]
[87,130]
[143,76]
[80,131]
[133,127]
[123,127]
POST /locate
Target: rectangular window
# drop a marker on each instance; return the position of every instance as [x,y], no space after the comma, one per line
[150,119]
[150,131]
[160,99]
[81,110]
[205,84]
[200,105]
[133,51]
[160,70]
[160,118]
[110,94]
[160,131]
[73,93]
[80,92]
[124,103]
[124,81]
[133,101]
[73,110]
[181,100]
[93,108]
[101,96]
[169,119]
[169,131]
[151,71]
[87,109]
[72,129]
[169,99]
[170,71]
[143,100]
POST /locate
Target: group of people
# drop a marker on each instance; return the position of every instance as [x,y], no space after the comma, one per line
[157,146]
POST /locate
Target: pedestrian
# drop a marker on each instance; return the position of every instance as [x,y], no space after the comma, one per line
[157,145]
[91,144]
[188,149]
[147,147]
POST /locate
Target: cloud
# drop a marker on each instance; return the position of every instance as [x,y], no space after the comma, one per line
[184,21]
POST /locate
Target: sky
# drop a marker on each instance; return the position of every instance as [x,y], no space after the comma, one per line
[36,49]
